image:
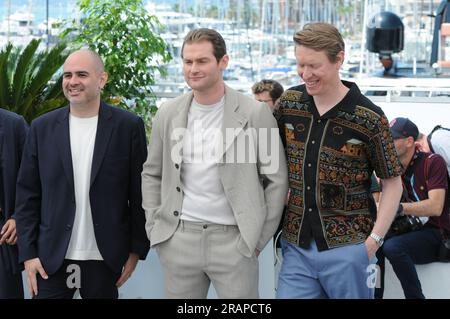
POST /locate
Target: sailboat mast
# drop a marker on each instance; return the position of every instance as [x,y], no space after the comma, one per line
[9,20]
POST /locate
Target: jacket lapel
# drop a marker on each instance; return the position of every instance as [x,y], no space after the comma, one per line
[63,145]
[180,122]
[233,121]
[104,129]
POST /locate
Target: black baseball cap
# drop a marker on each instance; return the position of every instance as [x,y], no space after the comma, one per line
[402,127]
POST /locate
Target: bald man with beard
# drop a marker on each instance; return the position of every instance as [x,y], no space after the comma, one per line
[79,216]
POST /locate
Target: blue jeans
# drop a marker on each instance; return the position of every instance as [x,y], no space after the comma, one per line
[403,252]
[343,272]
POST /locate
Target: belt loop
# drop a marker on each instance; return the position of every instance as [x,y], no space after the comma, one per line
[182,225]
[225,228]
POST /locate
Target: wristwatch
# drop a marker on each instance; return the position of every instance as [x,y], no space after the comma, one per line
[378,239]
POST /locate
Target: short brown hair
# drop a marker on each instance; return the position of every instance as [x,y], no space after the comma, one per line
[210,35]
[274,88]
[321,37]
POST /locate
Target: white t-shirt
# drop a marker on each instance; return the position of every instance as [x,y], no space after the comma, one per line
[82,245]
[204,196]
[440,141]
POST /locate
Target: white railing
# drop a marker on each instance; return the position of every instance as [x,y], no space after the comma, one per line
[415,90]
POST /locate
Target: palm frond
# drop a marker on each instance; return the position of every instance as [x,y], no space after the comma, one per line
[5,91]
[49,105]
[48,65]
[20,74]
[30,83]
[54,89]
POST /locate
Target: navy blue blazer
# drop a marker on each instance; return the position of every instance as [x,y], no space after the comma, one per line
[45,201]
[13,131]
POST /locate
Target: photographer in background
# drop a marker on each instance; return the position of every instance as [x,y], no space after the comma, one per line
[425,193]
[438,141]
[268,91]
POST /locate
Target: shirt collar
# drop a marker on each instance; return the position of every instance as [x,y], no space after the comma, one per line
[415,160]
[347,104]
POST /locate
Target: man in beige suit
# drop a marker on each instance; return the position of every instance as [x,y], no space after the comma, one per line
[215,180]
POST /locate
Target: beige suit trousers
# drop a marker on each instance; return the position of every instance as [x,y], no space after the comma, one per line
[200,254]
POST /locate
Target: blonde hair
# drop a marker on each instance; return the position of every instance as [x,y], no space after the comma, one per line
[321,36]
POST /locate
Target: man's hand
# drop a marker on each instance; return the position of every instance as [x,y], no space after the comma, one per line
[33,266]
[371,246]
[128,269]
[8,232]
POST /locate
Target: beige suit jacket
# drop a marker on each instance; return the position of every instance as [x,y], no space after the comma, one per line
[256,189]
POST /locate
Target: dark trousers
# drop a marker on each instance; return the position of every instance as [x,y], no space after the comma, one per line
[403,252]
[93,278]
[11,286]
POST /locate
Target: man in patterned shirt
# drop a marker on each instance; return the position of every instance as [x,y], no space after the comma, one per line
[334,139]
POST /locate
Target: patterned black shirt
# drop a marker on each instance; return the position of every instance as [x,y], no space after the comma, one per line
[331,159]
